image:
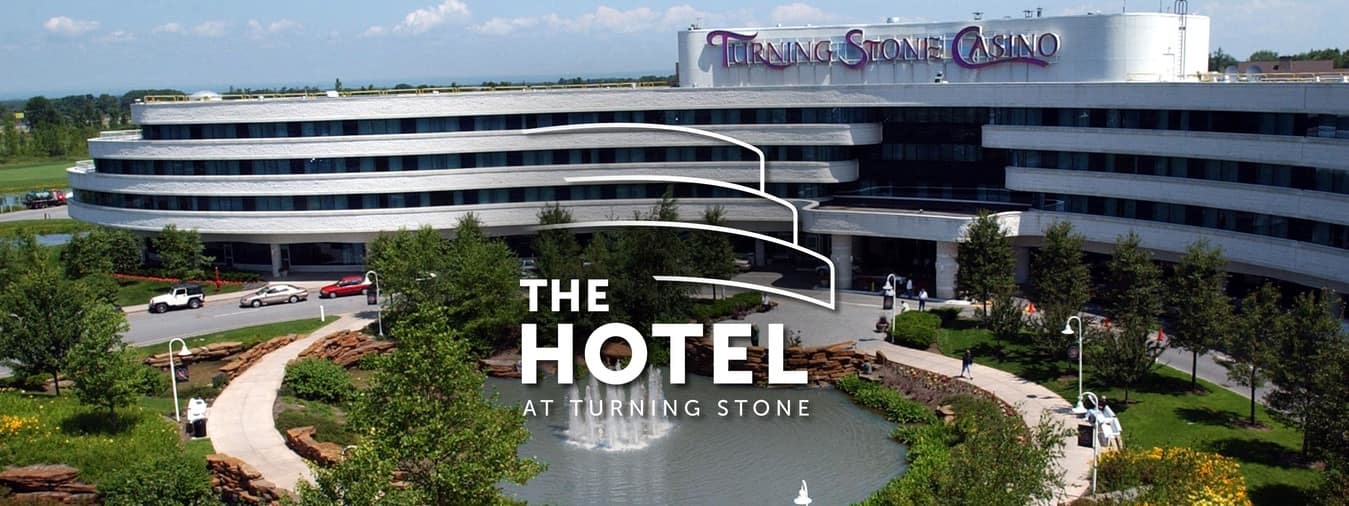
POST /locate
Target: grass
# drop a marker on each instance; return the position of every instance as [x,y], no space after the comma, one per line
[40,175]
[247,335]
[329,421]
[42,227]
[68,433]
[131,292]
[1163,411]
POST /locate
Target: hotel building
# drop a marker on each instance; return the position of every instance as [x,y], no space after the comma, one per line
[889,137]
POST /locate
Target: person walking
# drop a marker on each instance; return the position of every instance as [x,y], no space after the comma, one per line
[908,287]
[966,364]
[922,300]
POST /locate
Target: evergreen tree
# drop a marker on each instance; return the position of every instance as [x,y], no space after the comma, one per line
[427,416]
[641,254]
[180,252]
[1251,345]
[1327,423]
[1199,298]
[1062,284]
[1006,318]
[710,253]
[1297,361]
[485,303]
[986,262]
[1126,354]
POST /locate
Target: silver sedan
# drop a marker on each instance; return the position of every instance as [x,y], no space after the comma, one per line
[272,294]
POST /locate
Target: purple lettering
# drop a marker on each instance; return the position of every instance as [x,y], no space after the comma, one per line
[824,51]
[890,49]
[1054,46]
[854,40]
[722,38]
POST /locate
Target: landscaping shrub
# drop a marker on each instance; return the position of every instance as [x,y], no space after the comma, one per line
[318,380]
[948,315]
[916,329]
[328,422]
[885,400]
[725,307]
[168,481]
[151,381]
[1175,476]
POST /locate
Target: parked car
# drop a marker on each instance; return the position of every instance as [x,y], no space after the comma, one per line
[180,295]
[743,263]
[272,294]
[350,285]
[529,268]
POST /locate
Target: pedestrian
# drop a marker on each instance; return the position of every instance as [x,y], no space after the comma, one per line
[908,287]
[966,364]
[922,299]
[903,307]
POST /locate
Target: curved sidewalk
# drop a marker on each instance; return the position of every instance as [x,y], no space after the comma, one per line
[240,422]
[1029,398]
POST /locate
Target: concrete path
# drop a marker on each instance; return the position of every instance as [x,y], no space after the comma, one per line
[240,422]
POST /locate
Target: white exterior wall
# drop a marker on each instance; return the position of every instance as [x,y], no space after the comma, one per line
[1115,47]
[1273,149]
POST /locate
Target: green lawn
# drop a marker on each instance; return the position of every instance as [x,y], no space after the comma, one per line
[42,227]
[131,292]
[1164,412]
[68,433]
[329,421]
[247,335]
[24,176]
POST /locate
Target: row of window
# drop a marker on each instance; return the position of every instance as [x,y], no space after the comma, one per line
[506,122]
[465,160]
[427,198]
[1237,221]
[1285,176]
[1269,123]
[309,253]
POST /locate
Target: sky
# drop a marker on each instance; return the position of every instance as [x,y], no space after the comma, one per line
[59,47]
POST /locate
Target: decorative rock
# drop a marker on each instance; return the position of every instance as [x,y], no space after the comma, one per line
[346,348]
[46,484]
[239,483]
[246,359]
[301,439]
[207,353]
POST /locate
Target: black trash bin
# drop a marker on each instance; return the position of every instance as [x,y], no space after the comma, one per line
[199,428]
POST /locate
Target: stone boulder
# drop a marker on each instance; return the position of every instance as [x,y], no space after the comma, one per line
[44,483]
[346,348]
[207,353]
[246,359]
[301,439]
[236,482]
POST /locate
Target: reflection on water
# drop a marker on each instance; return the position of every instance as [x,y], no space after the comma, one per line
[843,451]
[53,239]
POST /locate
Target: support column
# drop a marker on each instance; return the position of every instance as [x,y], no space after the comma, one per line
[760,257]
[840,252]
[946,269]
[275,250]
[1022,256]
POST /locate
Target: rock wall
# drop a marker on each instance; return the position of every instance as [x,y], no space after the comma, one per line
[236,482]
[246,359]
[823,363]
[210,352]
[930,388]
[46,484]
[346,348]
[301,439]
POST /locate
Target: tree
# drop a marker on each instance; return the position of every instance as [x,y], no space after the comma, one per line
[1251,346]
[404,263]
[1219,60]
[642,253]
[426,415]
[105,374]
[1199,298]
[1264,55]
[1006,318]
[710,253]
[1126,353]
[102,250]
[1297,361]
[986,263]
[337,84]
[180,252]
[559,254]
[1061,281]
[1327,423]
[485,302]
[48,319]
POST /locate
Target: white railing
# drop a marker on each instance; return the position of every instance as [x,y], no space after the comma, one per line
[119,134]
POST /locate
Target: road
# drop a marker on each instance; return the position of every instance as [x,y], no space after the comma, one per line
[148,328]
[55,213]
[1208,369]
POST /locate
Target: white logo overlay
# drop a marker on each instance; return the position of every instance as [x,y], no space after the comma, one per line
[803,495]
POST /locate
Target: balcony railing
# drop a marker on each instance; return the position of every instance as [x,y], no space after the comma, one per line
[405,91]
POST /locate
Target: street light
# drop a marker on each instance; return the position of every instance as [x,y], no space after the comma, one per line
[1095,423]
[380,316]
[888,296]
[1068,331]
[173,374]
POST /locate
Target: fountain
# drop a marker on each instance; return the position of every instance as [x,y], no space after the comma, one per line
[599,429]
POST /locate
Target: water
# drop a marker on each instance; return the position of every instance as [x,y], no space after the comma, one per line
[594,428]
[53,239]
[841,450]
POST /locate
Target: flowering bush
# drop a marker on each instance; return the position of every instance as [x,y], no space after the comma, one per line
[12,425]
[1176,476]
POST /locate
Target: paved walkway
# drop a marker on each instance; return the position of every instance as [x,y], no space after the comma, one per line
[855,320]
[240,422]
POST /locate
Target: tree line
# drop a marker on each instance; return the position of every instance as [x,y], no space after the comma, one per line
[1296,345]
[1219,60]
[58,127]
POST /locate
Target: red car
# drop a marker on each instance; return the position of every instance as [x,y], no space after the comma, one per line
[350,285]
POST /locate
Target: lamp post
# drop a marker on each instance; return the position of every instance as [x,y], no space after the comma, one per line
[889,295]
[173,374]
[1095,424]
[380,310]
[1068,331]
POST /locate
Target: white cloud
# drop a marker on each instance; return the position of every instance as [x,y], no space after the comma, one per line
[801,14]
[170,27]
[257,30]
[210,29]
[504,26]
[66,26]
[118,36]
[374,31]
[426,18]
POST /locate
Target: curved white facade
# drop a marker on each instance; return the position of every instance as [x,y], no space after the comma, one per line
[1102,121]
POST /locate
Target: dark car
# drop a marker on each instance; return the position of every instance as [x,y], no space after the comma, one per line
[350,285]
